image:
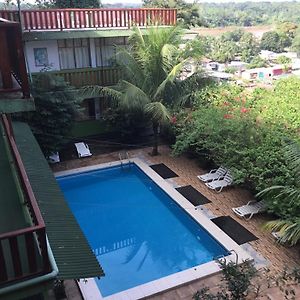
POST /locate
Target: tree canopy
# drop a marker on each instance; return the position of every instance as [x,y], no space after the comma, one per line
[151,80]
[56,105]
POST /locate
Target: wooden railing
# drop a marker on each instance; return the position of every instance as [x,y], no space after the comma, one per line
[65,19]
[12,61]
[26,246]
[89,76]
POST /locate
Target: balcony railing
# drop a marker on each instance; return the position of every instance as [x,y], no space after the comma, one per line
[23,252]
[67,19]
[89,76]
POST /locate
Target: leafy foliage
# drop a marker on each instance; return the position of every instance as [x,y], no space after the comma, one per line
[284,200]
[243,281]
[151,76]
[282,59]
[68,3]
[243,132]
[237,282]
[187,13]
[56,105]
[257,62]
[274,41]
[231,44]
[248,13]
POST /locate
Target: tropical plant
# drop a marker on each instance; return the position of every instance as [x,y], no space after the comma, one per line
[151,66]
[237,280]
[284,201]
[243,132]
[56,105]
[243,281]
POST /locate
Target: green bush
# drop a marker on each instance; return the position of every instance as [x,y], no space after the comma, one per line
[236,130]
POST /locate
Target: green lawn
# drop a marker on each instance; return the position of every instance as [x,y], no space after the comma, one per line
[88,128]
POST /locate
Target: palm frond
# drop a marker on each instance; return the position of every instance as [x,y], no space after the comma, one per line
[90,91]
[157,112]
[168,54]
[131,68]
[292,152]
[170,77]
[132,96]
[288,231]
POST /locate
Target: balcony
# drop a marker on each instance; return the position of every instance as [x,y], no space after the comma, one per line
[82,19]
[23,246]
[89,76]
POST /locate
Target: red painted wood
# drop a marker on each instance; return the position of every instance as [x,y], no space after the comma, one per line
[90,18]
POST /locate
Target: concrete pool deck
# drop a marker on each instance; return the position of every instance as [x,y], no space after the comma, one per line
[187,169]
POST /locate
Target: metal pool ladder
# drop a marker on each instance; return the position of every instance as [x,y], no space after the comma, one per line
[124,156]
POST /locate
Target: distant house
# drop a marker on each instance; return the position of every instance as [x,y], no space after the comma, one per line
[265,73]
[220,76]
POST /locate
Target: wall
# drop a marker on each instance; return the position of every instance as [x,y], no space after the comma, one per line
[52,51]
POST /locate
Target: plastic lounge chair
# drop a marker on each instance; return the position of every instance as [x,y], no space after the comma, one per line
[213,174]
[83,149]
[219,184]
[251,208]
[54,158]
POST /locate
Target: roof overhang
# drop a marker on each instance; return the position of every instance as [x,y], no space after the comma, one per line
[76,34]
[72,253]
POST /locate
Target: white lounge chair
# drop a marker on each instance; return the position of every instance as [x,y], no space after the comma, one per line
[251,208]
[213,174]
[83,149]
[54,158]
[219,184]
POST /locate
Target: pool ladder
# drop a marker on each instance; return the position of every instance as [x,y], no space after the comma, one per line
[124,156]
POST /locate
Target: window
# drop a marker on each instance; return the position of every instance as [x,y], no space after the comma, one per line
[106,50]
[74,53]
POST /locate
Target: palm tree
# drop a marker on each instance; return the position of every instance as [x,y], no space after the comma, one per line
[150,66]
[287,227]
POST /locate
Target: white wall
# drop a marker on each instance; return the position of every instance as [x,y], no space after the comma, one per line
[52,50]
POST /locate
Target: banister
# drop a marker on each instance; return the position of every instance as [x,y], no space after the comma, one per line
[32,234]
[91,18]
[23,176]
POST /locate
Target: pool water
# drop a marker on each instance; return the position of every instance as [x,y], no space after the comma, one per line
[135,229]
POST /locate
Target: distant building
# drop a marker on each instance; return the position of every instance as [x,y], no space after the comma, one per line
[263,74]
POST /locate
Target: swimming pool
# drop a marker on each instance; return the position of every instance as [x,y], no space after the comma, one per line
[135,228]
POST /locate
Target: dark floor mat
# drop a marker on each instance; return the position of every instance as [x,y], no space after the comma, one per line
[191,194]
[234,229]
[163,171]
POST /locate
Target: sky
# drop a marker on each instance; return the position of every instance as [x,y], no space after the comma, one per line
[140,1]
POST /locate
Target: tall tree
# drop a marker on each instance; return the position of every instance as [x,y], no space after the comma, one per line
[274,41]
[151,68]
[56,105]
[187,13]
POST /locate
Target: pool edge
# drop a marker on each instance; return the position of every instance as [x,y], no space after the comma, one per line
[89,288]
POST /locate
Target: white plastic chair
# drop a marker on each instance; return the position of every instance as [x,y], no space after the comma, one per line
[54,158]
[251,208]
[83,150]
[213,174]
[219,184]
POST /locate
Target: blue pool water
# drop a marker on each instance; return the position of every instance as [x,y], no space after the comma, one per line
[136,230]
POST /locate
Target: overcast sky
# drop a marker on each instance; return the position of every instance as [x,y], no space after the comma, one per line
[140,1]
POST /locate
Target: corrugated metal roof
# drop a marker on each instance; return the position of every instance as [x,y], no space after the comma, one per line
[72,253]
[75,34]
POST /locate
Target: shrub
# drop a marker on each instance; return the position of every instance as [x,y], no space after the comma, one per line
[239,132]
